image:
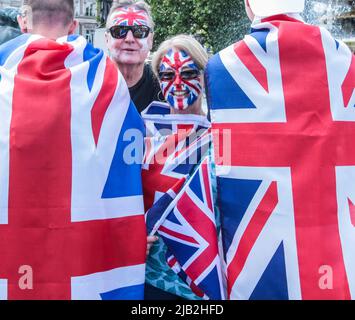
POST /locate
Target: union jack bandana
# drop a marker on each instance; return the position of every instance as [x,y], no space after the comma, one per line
[130,16]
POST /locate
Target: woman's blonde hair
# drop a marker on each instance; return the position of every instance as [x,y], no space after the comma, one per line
[183,42]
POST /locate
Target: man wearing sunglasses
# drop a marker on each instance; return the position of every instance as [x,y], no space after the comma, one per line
[129,38]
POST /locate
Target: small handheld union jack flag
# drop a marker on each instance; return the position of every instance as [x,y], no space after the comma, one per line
[190,233]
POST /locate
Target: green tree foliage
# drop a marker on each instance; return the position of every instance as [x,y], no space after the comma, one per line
[216,24]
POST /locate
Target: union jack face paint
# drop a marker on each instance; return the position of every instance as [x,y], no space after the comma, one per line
[130,16]
[180,79]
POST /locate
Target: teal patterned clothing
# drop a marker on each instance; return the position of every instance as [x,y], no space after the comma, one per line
[159,274]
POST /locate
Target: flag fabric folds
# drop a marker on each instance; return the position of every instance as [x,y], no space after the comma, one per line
[188,228]
[177,188]
[286,94]
[71,208]
[174,146]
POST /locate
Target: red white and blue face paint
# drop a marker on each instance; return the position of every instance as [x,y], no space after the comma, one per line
[180,79]
[130,16]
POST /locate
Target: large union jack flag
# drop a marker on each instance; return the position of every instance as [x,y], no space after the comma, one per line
[286,93]
[189,230]
[70,206]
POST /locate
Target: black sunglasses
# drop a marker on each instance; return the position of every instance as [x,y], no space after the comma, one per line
[185,75]
[120,32]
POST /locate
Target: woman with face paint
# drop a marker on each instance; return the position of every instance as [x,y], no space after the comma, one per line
[179,65]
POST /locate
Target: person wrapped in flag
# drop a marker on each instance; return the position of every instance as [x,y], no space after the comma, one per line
[286,93]
[177,141]
[71,208]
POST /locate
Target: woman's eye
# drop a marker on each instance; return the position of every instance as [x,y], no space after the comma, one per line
[189,74]
[166,75]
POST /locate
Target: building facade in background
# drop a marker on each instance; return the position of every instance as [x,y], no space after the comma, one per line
[85,13]
[10,3]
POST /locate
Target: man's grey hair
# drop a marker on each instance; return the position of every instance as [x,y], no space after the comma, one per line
[139,4]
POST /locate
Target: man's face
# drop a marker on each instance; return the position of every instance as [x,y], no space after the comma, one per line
[129,49]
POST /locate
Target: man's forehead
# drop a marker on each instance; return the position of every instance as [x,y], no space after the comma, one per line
[129,16]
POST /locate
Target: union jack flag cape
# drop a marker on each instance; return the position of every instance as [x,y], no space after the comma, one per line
[71,209]
[286,93]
